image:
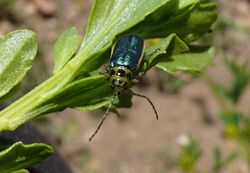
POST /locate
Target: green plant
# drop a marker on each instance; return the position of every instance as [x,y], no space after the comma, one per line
[236,123]
[18,49]
[219,162]
[75,82]
[72,84]
[191,153]
[244,138]
[18,156]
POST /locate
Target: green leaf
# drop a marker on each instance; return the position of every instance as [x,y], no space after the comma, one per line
[160,52]
[86,91]
[219,90]
[17,52]
[185,18]
[94,105]
[123,100]
[195,61]
[65,47]
[241,79]
[232,122]
[189,156]
[111,17]
[19,156]
[12,92]
[219,162]
[20,171]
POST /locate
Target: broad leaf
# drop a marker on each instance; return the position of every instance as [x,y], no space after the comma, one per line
[195,61]
[17,52]
[185,18]
[111,17]
[11,93]
[20,171]
[94,105]
[19,156]
[160,52]
[85,94]
[65,47]
[123,100]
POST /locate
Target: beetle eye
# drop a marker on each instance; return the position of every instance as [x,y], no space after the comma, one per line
[121,73]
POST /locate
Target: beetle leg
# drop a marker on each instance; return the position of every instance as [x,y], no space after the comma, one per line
[135,80]
[106,67]
[106,73]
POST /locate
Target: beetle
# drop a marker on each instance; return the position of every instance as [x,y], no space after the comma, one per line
[127,56]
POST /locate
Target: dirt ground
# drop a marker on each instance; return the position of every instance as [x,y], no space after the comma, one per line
[137,142]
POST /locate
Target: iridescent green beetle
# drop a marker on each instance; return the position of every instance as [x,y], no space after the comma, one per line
[122,71]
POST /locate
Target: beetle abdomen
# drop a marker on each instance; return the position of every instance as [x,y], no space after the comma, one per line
[127,52]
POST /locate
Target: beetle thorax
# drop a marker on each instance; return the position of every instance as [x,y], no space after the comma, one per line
[120,78]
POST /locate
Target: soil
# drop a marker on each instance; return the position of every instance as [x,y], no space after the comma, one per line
[137,142]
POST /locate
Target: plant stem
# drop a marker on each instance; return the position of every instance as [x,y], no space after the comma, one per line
[31,104]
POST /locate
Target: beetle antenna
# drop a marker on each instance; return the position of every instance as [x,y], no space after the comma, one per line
[104,115]
[150,102]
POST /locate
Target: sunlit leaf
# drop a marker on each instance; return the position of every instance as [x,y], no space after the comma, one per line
[19,156]
[17,52]
[65,47]
[194,61]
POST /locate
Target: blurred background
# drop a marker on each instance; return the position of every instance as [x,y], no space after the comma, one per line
[204,119]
